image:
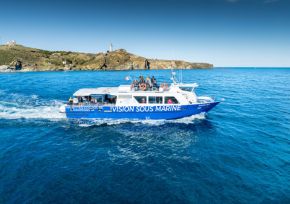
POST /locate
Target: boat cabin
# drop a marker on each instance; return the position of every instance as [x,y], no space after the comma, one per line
[124,95]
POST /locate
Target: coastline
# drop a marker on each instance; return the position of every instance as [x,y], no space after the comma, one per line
[18,57]
[94,70]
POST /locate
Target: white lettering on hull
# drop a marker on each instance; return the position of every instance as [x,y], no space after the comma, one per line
[141,109]
[128,109]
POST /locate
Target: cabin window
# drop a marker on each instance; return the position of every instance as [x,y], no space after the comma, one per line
[170,100]
[98,99]
[141,99]
[95,99]
[110,99]
[125,96]
[155,99]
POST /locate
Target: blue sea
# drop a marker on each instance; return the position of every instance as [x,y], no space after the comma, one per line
[238,153]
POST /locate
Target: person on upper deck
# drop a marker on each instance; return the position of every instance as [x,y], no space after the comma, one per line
[148,83]
[70,101]
[141,80]
[142,84]
[154,82]
[135,85]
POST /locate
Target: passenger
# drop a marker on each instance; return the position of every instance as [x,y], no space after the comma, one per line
[106,99]
[154,82]
[87,101]
[70,101]
[169,101]
[164,87]
[114,100]
[141,80]
[143,100]
[92,100]
[134,85]
[81,100]
[142,84]
[149,83]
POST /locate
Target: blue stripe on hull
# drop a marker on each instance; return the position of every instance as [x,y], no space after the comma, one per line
[138,112]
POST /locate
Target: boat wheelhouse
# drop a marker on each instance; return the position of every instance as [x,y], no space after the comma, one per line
[126,101]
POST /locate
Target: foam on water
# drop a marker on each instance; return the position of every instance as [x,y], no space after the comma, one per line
[99,122]
[18,106]
[39,112]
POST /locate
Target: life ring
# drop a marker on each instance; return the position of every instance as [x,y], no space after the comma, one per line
[143,86]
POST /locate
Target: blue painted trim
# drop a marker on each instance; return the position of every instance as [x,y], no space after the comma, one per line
[138,112]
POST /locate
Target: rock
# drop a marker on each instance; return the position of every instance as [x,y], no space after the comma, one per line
[4,67]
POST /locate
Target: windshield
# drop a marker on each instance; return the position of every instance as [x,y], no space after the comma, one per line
[186,88]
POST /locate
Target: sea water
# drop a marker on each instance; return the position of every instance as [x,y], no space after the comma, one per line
[238,153]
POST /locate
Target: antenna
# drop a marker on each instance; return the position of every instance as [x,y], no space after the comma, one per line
[173,76]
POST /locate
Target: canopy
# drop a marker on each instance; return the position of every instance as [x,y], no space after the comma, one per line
[96,91]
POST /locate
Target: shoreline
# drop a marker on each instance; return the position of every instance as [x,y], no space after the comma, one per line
[32,59]
[98,70]
[127,70]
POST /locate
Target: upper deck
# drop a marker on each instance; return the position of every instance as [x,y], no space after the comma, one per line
[128,95]
[127,89]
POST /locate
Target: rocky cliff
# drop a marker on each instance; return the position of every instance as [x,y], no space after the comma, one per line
[32,59]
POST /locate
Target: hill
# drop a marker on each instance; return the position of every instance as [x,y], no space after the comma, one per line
[33,59]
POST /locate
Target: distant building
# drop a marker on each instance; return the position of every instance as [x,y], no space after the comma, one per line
[111,47]
[11,43]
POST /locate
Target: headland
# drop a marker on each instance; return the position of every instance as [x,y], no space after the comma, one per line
[20,58]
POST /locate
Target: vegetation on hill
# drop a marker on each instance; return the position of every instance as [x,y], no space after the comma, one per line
[42,60]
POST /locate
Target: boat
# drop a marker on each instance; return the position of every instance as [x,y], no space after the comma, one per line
[174,101]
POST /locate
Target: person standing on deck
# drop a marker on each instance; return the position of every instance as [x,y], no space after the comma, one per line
[149,83]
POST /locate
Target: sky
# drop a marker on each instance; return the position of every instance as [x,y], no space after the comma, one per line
[254,33]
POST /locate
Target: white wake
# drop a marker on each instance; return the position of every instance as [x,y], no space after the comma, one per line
[98,122]
[17,106]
